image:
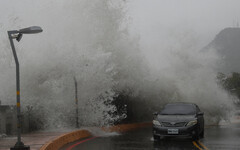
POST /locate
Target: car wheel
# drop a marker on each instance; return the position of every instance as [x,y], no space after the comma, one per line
[202,134]
[195,137]
[156,138]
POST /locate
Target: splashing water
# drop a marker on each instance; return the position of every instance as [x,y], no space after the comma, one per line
[91,41]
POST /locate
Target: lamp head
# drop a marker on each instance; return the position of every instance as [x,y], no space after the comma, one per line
[30,30]
[17,34]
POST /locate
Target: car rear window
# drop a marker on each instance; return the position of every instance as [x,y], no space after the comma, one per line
[179,109]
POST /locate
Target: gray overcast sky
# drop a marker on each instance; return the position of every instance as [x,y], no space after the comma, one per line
[156,20]
[198,15]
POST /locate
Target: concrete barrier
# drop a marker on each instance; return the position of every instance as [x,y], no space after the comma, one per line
[80,134]
[65,139]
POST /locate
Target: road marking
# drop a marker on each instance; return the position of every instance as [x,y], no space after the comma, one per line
[203,145]
[195,144]
[83,141]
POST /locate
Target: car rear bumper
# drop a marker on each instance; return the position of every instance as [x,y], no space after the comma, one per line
[182,131]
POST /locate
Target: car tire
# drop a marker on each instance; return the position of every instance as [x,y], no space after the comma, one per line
[195,137]
[202,134]
[156,138]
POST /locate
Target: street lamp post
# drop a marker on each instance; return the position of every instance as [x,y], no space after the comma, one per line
[17,34]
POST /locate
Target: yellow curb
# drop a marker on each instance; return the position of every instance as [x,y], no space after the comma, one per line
[77,135]
[65,139]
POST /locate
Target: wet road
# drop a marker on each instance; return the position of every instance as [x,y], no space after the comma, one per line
[216,138]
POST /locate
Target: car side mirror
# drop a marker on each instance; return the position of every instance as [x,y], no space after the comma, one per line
[155,113]
[200,113]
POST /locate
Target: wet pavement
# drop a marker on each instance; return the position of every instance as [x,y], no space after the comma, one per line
[34,140]
[216,138]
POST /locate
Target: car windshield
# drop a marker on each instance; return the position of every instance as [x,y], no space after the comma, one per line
[178,109]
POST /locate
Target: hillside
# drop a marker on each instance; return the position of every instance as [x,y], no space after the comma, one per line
[227,44]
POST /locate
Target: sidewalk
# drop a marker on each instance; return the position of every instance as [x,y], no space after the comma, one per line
[34,140]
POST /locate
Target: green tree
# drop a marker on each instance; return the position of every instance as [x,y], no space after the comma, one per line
[230,83]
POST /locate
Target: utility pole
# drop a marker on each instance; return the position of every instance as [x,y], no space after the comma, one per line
[76,101]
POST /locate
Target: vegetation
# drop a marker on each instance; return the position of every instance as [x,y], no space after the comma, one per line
[231,83]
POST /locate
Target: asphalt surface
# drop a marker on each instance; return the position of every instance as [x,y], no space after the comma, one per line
[216,138]
[35,140]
